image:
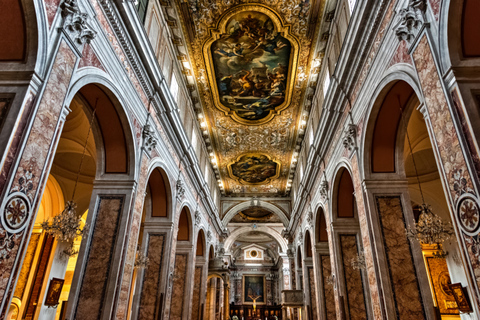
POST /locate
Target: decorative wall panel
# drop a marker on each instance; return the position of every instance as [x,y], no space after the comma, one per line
[197,293]
[328,290]
[151,286]
[408,300]
[99,257]
[179,287]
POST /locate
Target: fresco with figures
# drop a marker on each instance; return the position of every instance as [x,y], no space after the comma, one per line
[251,63]
[254,169]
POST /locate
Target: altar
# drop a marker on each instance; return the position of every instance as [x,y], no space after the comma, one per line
[261,312]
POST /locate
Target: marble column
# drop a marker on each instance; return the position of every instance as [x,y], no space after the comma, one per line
[325,289]
[182,282]
[226,300]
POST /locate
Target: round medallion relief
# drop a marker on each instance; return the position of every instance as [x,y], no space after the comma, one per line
[15,213]
[468,214]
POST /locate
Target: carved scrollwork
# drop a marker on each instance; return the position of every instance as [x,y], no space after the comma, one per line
[76,23]
[411,20]
[149,140]
[180,189]
[349,137]
[324,189]
[198,218]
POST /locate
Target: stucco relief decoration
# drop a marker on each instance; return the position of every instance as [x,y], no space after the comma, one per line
[469,214]
[76,23]
[15,213]
[349,137]
[245,57]
[411,20]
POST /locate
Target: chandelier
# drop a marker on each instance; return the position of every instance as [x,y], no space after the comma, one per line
[67,225]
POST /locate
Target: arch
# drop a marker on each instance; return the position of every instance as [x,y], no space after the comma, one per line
[299,258]
[201,245]
[308,245]
[321,234]
[388,119]
[276,235]
[344,199]
[116,104]
[158,188]
[244,205]
[184,225]
[211,253]
[396,73]
[111,128]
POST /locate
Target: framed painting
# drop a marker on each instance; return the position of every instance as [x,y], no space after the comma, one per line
[54,291]
[461,297]
[254,289]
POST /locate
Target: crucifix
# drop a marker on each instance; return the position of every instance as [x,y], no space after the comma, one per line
[254,297]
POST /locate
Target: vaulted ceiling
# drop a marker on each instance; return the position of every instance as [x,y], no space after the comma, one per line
[255,65]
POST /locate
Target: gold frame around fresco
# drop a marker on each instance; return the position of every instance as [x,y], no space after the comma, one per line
[283,29]
[240,180]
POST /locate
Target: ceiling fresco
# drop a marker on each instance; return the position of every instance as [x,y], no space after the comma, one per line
[251,63]
[256,214]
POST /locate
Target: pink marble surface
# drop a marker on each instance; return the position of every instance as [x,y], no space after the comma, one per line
[51,7]
[134,232]
[313,293]
[36,152]
[150,289]
[178,291]
[197,293]
[328,290]
[89,58]
[374,50]
[103,240]
[355,300]
[436,5]
[20,131]
[367,246]
[454,165]
[408,300]
[401,55]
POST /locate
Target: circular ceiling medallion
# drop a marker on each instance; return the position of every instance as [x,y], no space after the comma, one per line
[254,253]
[468,214]
[15,212]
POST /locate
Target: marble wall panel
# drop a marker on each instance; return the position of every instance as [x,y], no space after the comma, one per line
[89,58]
[197,293]
[51,7]
[35,156]
[408,300]
[401,55]
[366,241]
[134,231]
[436,5]
[328,290]
[151,286]
[313,292]
[99,257]
[446,137]
[355,299]
[179,286]
[17,137]
[27,265]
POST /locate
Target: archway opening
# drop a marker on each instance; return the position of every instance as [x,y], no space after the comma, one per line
[183,226]
[321,230]
[346,205]
[200,250]
[308,245]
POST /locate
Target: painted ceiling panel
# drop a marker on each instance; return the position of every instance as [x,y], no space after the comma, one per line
[251,62]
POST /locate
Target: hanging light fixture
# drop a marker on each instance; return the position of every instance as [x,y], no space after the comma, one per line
[66,226]
[430,230]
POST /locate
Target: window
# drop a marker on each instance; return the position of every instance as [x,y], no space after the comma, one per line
[174,88]
[351,5]
[142,6]
[326,82]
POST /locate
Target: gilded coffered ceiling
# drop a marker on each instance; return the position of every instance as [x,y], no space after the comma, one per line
[252,63]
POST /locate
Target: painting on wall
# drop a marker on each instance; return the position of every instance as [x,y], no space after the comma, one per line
[254,168]
[440,278]
[253,289]
[251,61]
[256,214]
